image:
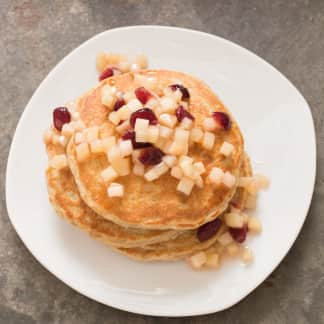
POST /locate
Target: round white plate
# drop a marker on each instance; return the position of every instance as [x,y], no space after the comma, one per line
[280,139]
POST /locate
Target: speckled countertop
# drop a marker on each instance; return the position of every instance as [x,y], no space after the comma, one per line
[35,35]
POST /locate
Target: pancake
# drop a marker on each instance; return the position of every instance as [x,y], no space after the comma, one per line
[66,200]
[187,243]
[157,205]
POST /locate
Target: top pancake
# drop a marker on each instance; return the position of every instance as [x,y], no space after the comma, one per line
[157,205]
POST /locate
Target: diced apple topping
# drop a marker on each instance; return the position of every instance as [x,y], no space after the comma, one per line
[199,168]
[91,133]
[225,239]
[209,124]
[156,171]
[247,255]
[134,105]
[212,261]
[196,135]
[228,179]
[59,162]
[67,130]
[170,160]
[197,260]
[108,96]
[153,134]
[114,117]
[168,120]
[139,169]
[48,136]
[234,220]
[226,149]
[141,130]
[185,185]
[199,182]
[77,125]
[109,174]
[233,249]
[79,138]
[123,127]
[96,146]
[165,132]
[119,163]
[126,148]
[208,140]
[254,224]
[115,190]
[129,95]
[124,112]
[168,104]
[186,123]
[180,143]
[216,176]
[82,152]
[176,172]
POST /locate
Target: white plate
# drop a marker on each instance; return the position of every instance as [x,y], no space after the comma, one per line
[279,134]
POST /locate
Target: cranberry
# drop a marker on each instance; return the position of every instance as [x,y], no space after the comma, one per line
[184,91]
[61,116]
[222,119]
[208,230]
[142,95]
[130,135]
[182,113]
[238,234]
[107,73]
[151,156]
[118,104]
[144,113]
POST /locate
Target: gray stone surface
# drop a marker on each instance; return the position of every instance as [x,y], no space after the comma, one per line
[35,35]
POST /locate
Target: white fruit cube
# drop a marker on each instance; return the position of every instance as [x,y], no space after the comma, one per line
[82,152]
[153,134]
[97,146]
[124,112]
[262,181]
[187,168]
[109,174]
[135,156]
[156,171]
[254,224]
[234,220]
[123,127]
[232,248]
[59,162]
[247,255]
[186,123]
[198,260]
[115,190]
[91,133]
[129,95]
[67,130]
[134,105]
[199,168]
[216,176]
[176,172]
[141,124]
[63,140]
[228,179]
[181,136]
[212,261]
[139,169]
[167,146]
[48,136]
[126,148]
[114,154]
[168,120]
[185,185]
[142,136]
[114,118]
[208,140]
[176,95]
[170,160]
[79,138]
[199,182]
[107,97]
[185,158]
[168,105]
[196,135]
[152,103]
[165,132]
[225,239]
[160,143]
[209,124]
[177,148]
[226,149]
[77,125]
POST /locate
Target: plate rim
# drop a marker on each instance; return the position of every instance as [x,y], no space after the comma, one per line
[130,308]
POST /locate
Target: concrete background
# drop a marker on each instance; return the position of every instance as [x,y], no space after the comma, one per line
[35,35]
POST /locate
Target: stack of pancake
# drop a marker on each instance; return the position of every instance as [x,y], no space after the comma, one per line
[152,221]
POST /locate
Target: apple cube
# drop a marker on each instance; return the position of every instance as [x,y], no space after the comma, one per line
[129,95]
[197,260]
[134,105]
[226,149]
[199,168]
[176,172]
[232,249]
[228,179]
[109,174]
[139,169]
[107,96]
[185,158]
[141,124]
[123,127]
[262,181]
[114,117]
[156,171]
[82,152]
[168,120]
[216,176]
[209,124]
[79,138]
[153,134]
[234,220]
[160,143]
[185,185]
[208,140]
[247,255]
[199,182]
[115,190]
[59,162]
[168,105]
[114,154]
[124,112]
[165,132]
[176,95]
[170,160]
[196,135]
[67,130]
[96,146]
[225,239]
[91,133]
[212,261]
[186,123]
[254,224]
[152,103]
[125,148]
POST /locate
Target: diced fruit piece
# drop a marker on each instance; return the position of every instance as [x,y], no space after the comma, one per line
[198,260]
[134,105]
[122,166]
[114,117]
[247,255]
[167,147]
[208,140]
[79,138]
[120,102]
[238,234]
[108,96]
[78,125]
[139,169]
[59,162]
[67,130]
[176,172]
[96,146]
[199,167]
[156,171]
[212,261]
[152,104]
[142,95]
[181,136]
[262,181]
[115,190]
[126,148]
[185,185]
[234,220]
[225,239]
[185,158]
[196,135]
[62,140]
[209,124]
[222,120]
[184,91]
[199,182]
[232,249]
[168,120]
[124,112]
[182,113]
[135,156]
[123,127]
[208,230]
[168,105]
[61,116]
[91,133]
[109,174]
[144,113]
[153,134]
[186,123]
[250,201]
[216,176]
[149,82]
[130,135]
[151,156]
[226,149]
[160,143]
[254,224]
[176,95]
[169,160]
[82,152]
[165,132]
[107,73]
[228,179]
[141,124]
[48,136]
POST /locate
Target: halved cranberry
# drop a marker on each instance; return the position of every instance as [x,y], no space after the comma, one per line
[238,234]
[222,119]
[107,73]
[208,230]
[182,113]
[118,104]
[144,113]
[184,91]
[130,135]
[151,156]
[61,116]
[142,95]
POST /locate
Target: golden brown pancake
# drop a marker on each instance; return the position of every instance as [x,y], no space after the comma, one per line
[157,205]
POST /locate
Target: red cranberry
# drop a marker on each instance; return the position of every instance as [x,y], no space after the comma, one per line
[182,113]
[151,156]
[222,119]
[61,116]
[208,230]
[130,135]
[184,91]
[119,103]
[107,73]
[142,95]
[238,234]
[144,113]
